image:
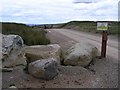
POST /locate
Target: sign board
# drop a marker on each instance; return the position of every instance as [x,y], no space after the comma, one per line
[102,26]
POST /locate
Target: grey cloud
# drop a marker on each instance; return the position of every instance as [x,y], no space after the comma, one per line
[40,11]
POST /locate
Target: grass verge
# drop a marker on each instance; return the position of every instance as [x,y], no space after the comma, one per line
[30,35]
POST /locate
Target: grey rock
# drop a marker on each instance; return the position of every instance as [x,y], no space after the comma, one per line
[37,52]
[44,69]
[10,42]
[11,51]
[81,54]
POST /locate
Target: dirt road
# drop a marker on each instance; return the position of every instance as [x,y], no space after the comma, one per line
[106,70]
[112,48]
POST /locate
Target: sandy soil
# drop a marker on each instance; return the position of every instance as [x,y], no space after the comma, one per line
[102,73]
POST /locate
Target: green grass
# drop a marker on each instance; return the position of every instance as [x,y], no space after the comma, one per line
[90,26]
[31,36]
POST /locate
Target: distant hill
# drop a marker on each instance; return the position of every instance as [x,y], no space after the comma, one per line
[90,26]
[86,26]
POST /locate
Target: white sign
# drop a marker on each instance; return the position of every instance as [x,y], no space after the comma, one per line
[102,26]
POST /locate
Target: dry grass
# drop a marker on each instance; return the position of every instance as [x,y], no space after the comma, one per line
[90,26]
[31,36]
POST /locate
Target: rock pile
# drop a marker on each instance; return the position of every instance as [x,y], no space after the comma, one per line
[42,61]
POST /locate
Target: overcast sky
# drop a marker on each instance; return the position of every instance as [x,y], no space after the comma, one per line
[58,11]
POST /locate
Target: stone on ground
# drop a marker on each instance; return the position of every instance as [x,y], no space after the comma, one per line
[81,54]
[6,69]
[44,69]
[12,87]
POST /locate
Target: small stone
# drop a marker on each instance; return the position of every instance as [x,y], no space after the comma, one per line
[13,87]
[7,69]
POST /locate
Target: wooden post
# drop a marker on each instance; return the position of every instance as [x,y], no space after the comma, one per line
[104,44]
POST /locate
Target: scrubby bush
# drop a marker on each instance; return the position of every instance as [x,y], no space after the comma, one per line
[31,36]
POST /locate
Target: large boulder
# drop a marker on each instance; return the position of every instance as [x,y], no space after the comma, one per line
[81,54]
[10,42]
[44,69]
[37,52]
[11,51]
